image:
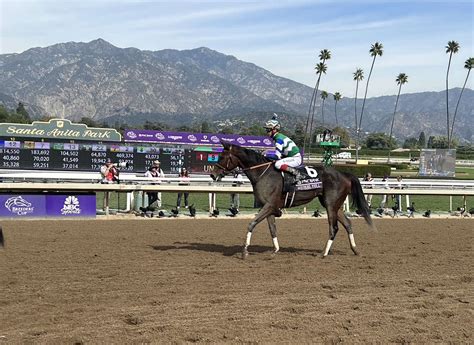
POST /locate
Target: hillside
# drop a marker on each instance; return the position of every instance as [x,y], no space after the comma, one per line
[106,83]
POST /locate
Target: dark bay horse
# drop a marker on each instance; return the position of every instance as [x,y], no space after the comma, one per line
[267,183]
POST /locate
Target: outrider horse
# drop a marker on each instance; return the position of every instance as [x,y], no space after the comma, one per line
[267,183]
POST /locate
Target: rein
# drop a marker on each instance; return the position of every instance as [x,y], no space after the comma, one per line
[250,168]
[258,166]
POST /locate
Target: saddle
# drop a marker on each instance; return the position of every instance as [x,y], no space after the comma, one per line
[310,180]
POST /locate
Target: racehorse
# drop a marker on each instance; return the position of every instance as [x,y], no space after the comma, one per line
[267,183]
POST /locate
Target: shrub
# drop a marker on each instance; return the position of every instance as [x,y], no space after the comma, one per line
[361,170]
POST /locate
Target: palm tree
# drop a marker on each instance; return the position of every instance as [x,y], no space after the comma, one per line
[324,95]
[375,50]
[451,48]
[401,79]
[337,98]
[468,64]
[320,69]
[358,76]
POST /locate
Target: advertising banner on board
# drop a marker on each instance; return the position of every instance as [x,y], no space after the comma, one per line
[185,138]
[28,205]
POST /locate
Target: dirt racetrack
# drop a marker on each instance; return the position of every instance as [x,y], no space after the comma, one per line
[177,281]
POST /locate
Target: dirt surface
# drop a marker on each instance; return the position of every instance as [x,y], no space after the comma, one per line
[168,280]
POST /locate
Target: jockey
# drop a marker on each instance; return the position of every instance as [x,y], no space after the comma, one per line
[287,153]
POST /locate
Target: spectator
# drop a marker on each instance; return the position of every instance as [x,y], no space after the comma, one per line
[368,178]
[411,210]
[154,172]
[385,185]
[160,172]
[235,197]
[399,196]
[183,182]
[109,172]
[327,135]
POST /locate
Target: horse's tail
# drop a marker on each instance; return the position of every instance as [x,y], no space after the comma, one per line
[2,241]
[358,198]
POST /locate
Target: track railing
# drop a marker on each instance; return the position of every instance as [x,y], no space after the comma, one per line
[15,182]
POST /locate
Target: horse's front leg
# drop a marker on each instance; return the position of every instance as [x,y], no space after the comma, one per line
[266,211]
[273,233]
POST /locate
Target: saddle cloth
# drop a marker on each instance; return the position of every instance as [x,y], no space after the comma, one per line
[310,180]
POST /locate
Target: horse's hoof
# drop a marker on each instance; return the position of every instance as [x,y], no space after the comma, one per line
[355,251]
[245,253]
[274,253]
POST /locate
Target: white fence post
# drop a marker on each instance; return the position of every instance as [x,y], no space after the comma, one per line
[346,204]
[130,198]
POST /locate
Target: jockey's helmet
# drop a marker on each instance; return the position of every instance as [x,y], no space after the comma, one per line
[272,124]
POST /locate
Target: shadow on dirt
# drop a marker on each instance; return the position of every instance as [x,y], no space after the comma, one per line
[231,250]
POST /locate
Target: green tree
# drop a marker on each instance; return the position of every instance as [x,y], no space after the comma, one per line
[320,68]
[205,127]
[379,141]
[254,129]
[375,50]
[438,142]
[4,115]
[401,79]
[468,65]
[89,122]
[324,95]
[337,98]
[184,128]
[422,140]
[358,76]
[451,48]
[23,114]
[156,126]
[410,143]
[299,134]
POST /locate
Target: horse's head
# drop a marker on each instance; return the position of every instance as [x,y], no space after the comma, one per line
[228,161]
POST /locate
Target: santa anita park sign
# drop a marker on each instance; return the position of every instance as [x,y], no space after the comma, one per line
[58,129]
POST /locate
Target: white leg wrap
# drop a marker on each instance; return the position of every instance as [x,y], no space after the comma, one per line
[351,239]
[328,247]
[247,241]
[276,246]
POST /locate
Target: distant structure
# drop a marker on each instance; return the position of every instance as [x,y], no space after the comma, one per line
[328,141]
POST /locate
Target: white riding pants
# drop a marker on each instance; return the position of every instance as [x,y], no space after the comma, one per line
[293,162]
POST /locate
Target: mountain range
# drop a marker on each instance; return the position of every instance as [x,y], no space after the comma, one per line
[106,83]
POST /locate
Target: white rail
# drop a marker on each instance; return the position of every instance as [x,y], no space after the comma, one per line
[131,183]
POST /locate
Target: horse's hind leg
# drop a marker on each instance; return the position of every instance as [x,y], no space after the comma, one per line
[346,222]
[333,229]
[273,232]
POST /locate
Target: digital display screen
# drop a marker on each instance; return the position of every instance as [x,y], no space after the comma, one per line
[39,155]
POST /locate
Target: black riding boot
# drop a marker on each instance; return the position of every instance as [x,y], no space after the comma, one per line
[295,172]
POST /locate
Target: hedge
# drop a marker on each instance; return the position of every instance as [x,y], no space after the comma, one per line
[362,170]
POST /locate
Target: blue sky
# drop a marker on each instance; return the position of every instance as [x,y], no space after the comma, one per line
[284,37]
